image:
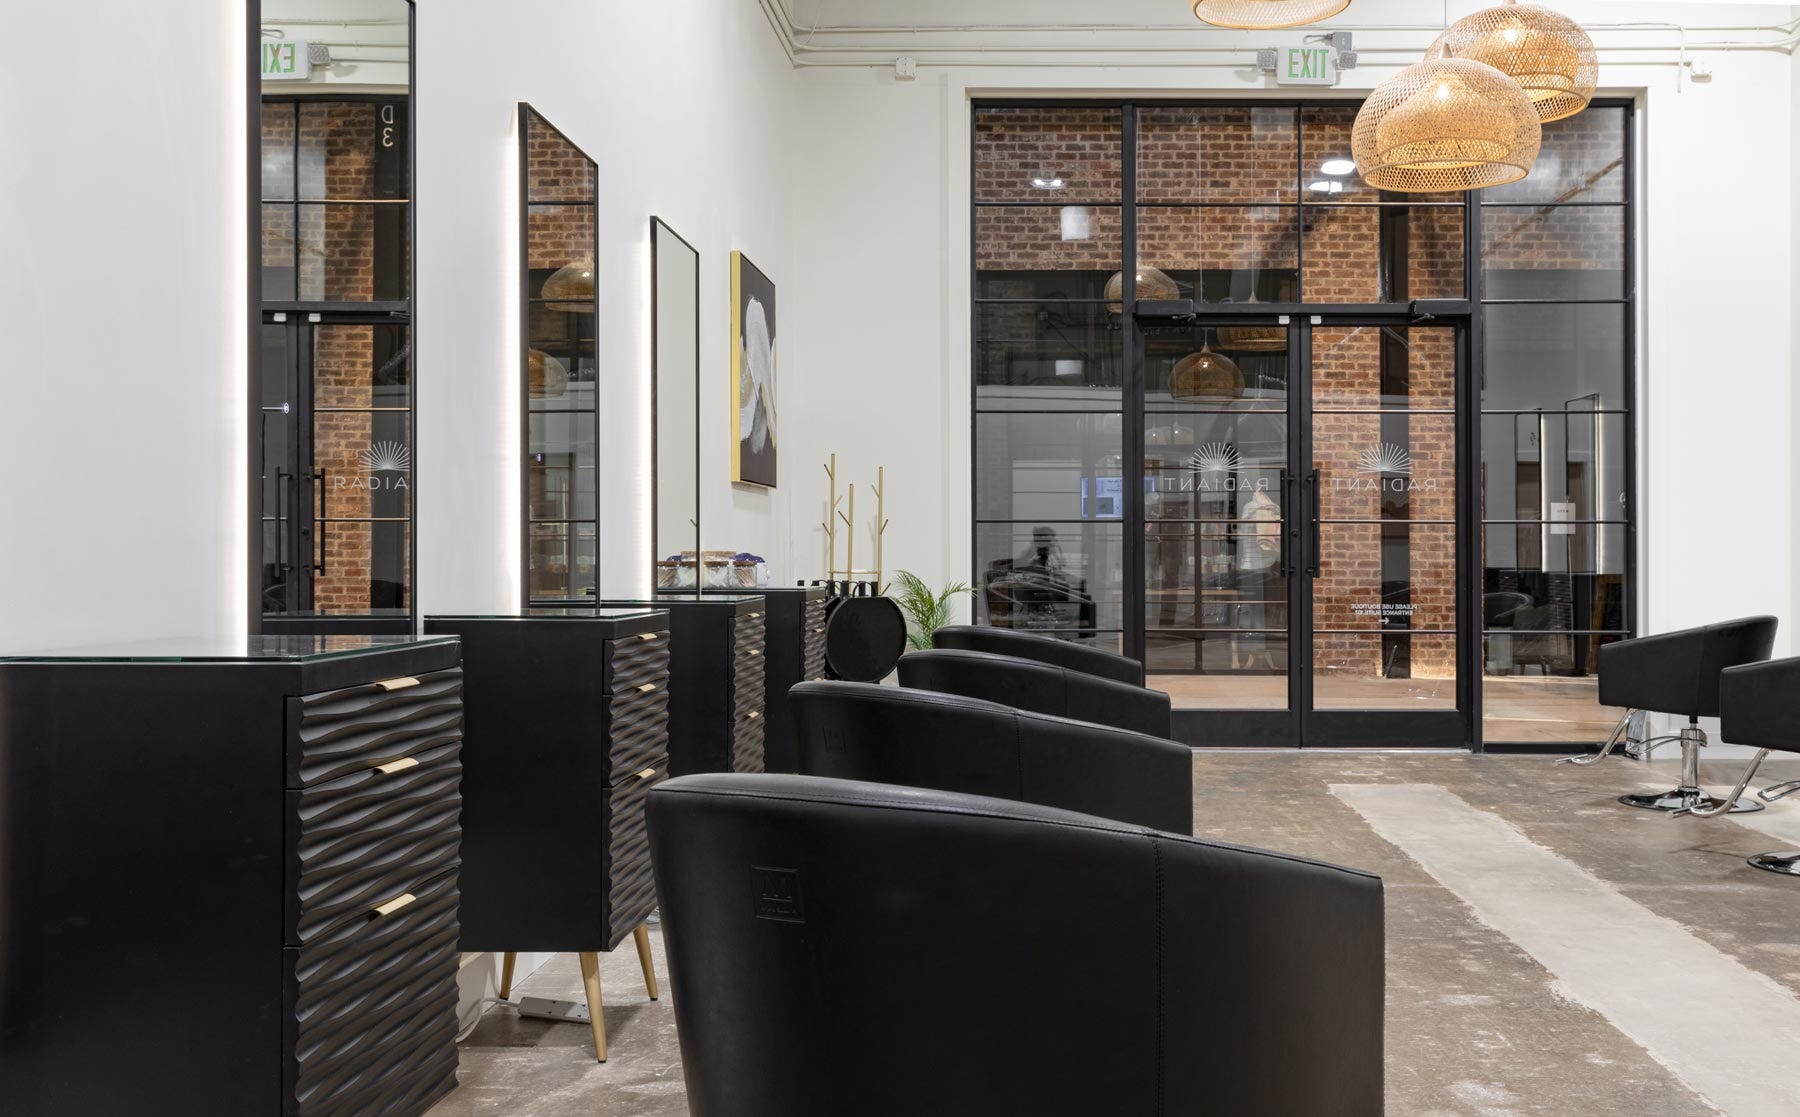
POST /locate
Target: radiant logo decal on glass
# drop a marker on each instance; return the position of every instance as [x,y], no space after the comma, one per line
[1213,468]
[384,468]
[1387,468]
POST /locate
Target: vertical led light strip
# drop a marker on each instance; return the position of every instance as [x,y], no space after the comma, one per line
[510,413]
[240,25]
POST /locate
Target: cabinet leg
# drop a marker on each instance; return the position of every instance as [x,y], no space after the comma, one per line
[506,972]
[590,978]
[642,938]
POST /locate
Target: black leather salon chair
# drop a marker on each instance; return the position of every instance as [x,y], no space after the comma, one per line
[1040,687]
[1044,649]
[920,738]
[1678,673]
[1759,705]
[860,948]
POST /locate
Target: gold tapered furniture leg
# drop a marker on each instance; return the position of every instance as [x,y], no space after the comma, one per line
[506,973]
[642,937]
[590,979]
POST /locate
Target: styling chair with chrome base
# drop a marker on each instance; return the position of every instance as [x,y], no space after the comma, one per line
[1044,688]
[920,738]
[1044,649]
[1758,703]
[1678,673]
[894,951]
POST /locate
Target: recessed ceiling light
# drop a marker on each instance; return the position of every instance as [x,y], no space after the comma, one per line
[1337,166]
[1049,183]
[1326,186]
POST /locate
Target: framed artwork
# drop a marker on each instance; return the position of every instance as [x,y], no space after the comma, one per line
[752,374]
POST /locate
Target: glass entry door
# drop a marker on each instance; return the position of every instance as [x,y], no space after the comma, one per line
[335,443]
[1303,531]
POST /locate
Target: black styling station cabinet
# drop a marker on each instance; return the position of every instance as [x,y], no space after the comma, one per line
[568,730]
[228,877]
[794,625]
[718,660]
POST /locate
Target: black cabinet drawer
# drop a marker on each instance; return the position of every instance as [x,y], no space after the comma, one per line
[336,732]
[634,660]
[372,1027]
[632,894]
[637,733]
[362,839]
[747,742]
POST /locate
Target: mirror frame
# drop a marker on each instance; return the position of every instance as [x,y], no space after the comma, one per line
[657,225]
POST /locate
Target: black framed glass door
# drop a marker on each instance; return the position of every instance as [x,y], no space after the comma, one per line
[1304,524]
[335,445]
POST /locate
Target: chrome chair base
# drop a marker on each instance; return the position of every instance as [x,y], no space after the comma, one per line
[1687,799]
[1786,863]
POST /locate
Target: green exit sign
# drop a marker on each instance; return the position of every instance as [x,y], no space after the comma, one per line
[285,60]
[1307,66]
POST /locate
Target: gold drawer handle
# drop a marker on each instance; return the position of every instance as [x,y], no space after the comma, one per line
[400,683]
[753,715]
[400,765]
[646,773]
[754,651]
[646,688]
[751,616]
[393,905]
[648,635]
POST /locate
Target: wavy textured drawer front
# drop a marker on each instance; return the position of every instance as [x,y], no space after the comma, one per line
[747,742]
[750,683]
[634,660]
[364,838]
[337,732]
[373,1019]
[637,732]
[813,635]
[633,888]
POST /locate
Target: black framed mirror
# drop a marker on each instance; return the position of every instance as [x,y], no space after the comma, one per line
[675,407]
[559,388]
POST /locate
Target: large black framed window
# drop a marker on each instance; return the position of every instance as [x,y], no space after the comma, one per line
[559,384]
[1558,500]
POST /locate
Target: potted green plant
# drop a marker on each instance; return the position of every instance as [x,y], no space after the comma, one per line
[926,610]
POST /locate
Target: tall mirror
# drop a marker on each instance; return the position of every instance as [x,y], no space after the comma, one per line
[675,281]
[561,401]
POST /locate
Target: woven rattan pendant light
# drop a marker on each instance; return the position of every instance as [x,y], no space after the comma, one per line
[1206,376]
[1445,124]
[1546,52]
[571,288]
[1152,283]
[1261,15]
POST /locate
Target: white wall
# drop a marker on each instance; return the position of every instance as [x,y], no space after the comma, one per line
[683,105]
[881,239]
[123,332]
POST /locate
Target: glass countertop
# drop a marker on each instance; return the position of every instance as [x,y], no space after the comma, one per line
[237,649]
[574,610]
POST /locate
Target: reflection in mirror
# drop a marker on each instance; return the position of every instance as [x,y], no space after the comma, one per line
[675,276]
[560,390]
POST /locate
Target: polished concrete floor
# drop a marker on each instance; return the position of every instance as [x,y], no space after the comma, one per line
[1549,951]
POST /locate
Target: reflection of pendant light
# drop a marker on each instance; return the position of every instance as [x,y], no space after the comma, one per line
[1261,15]
[547,376]
[1077,223]
[1254,339]
[1205,376]
[1445,124]
[1546,52]
[1152,283]
[571,287]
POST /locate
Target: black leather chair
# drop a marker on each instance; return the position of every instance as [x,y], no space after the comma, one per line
[1044,649]
[1040,687]
[1678,673]
[1758,704]
[860,948]
[884,734]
